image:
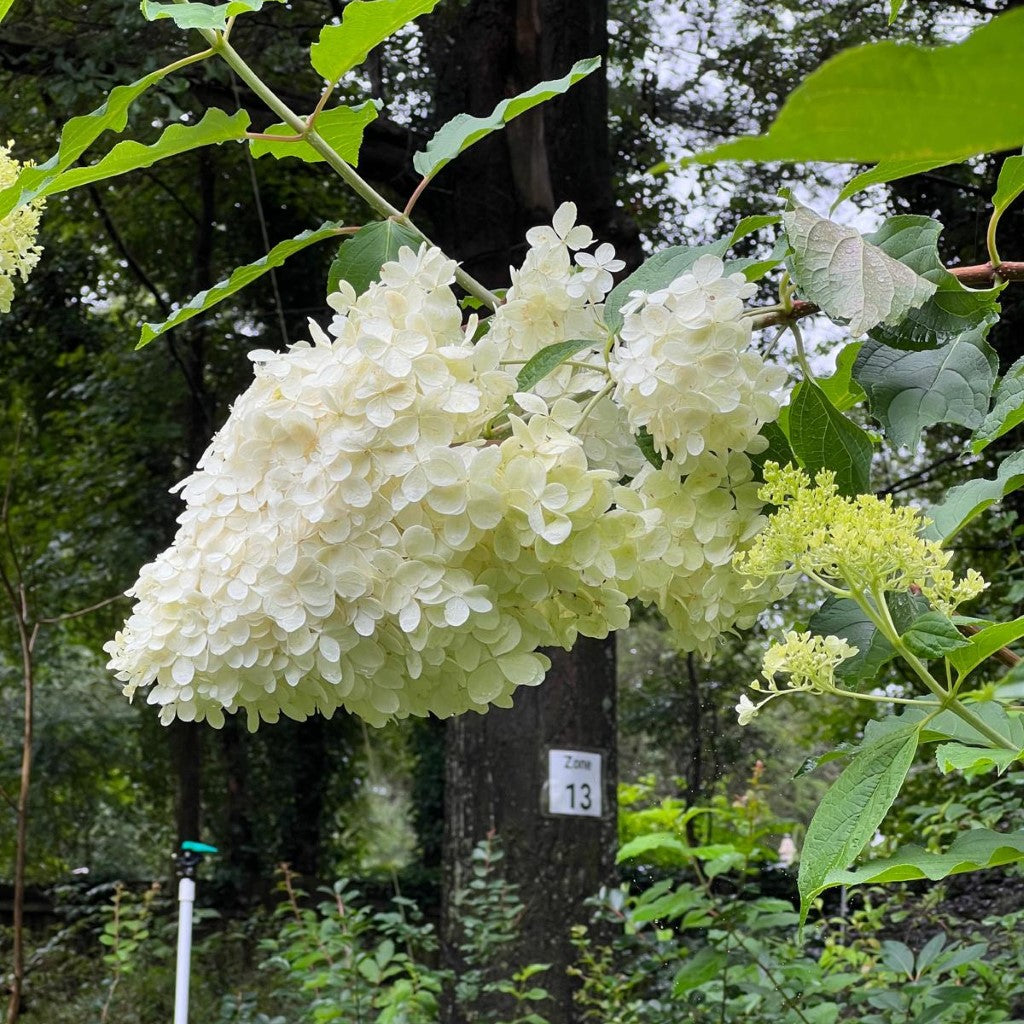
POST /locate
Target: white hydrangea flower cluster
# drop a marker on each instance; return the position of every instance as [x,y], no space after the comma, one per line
[348,542]
[705,516]
[19,251]
[386,524]
[685,370]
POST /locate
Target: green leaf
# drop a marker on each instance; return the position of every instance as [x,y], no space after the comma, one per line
[909,391]
[966,501]
[548,359]
[894,9]
[5,6]
[851,280]
[657,272]
[645,443]
[950,726]
[973,850]
[340,127]
[75,138]
[208,16]
[897,956]
[839,616]
[953,308]
[360,258]
[463,130]
[240,277]
[706,965]
[888,101]
[752,268]
[1007,408]
[852,809]
[215,127]
[1010,183]
[886,171]
[749,225]
[972,761]
[661,842]
[823,438]
[364,25]
[778,450]
[841,389]
[984,644]
[933,635]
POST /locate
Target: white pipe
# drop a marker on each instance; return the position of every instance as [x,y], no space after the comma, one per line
[186,899]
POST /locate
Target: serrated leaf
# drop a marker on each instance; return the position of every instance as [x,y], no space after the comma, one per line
[75,138]
[364,25]
[1007,408]
[823,438]
[1010,183]
[839,616]
[884,101]
[701,968]
[239,278]
[966,501]
[953,308]
[778,450]
[971,851]
[841,389]
[193,15]
[340,127]
[548,359]
[853,281]
[360,258]
[215,127]
[463,130]
[933,635]
[909,391]
[884,172]
[972,761]
[984,644]
[657,272]
[852,809]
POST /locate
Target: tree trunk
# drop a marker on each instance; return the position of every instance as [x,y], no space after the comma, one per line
[496,764]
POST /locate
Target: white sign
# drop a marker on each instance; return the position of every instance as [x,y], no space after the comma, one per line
[574,783]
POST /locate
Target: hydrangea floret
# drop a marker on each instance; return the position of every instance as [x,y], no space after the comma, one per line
[19,250]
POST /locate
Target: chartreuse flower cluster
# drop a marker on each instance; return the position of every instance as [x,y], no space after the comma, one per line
[386,524]
[861,548]
[19,251]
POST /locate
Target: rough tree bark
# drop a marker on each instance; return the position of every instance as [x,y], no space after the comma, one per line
[480,209]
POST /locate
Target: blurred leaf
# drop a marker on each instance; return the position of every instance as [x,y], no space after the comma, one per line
[193,15]
[706,965]
[886,101]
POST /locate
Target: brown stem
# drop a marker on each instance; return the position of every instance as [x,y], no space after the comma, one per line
[983,275]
